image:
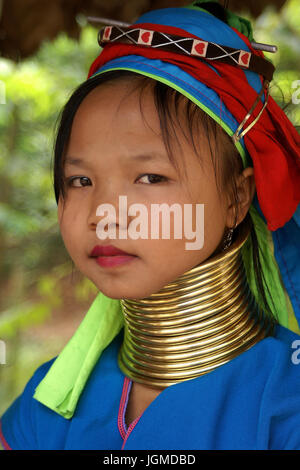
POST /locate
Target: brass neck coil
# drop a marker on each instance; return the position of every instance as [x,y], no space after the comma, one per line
[202,320]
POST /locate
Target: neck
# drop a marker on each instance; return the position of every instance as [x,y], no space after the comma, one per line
[198,322]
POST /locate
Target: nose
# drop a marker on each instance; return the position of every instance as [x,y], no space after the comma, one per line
[108,212]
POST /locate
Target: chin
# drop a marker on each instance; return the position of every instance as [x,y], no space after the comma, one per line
[124,293]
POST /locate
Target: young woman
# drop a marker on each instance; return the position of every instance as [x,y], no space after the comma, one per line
[187,346]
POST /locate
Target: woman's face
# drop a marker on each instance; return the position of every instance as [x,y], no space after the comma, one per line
[110,138]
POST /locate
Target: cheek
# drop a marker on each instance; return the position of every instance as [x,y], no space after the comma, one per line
[69,226]
[214,216]
[214,224]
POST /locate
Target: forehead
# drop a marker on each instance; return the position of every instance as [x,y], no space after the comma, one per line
[119,105]
[124,116]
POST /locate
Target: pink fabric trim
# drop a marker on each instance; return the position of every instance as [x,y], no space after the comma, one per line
[122,411]
[123,405]
[3,440]
[131,427]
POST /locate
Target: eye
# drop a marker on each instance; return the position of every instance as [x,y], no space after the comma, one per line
[153,178]
[83,181]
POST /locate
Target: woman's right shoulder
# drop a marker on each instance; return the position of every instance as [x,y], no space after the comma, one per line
[19,425]
[42,370]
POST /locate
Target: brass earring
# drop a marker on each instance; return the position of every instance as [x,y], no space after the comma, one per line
[227,241]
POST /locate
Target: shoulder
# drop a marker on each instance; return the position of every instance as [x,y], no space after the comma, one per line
[286,345]
[255,397]
[280,404]
[18,423]
[277,360]
[30,425]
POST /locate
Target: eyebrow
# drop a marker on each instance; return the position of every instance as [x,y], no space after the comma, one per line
[142,157]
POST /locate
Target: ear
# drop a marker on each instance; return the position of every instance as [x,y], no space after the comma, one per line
[245,192]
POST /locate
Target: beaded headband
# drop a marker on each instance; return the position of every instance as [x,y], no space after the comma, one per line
[187,46]
[124,33]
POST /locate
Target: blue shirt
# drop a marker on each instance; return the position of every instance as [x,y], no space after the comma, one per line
[251,402]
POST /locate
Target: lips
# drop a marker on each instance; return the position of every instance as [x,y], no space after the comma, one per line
[107,251]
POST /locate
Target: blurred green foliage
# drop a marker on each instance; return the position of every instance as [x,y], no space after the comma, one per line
[36,90]
[33,260]
[283,30]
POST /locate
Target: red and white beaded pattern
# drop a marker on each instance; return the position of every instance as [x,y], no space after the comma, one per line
[244,58]
[107,33]
[145,37]
[199,47]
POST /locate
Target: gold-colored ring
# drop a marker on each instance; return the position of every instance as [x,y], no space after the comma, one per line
[196,323]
